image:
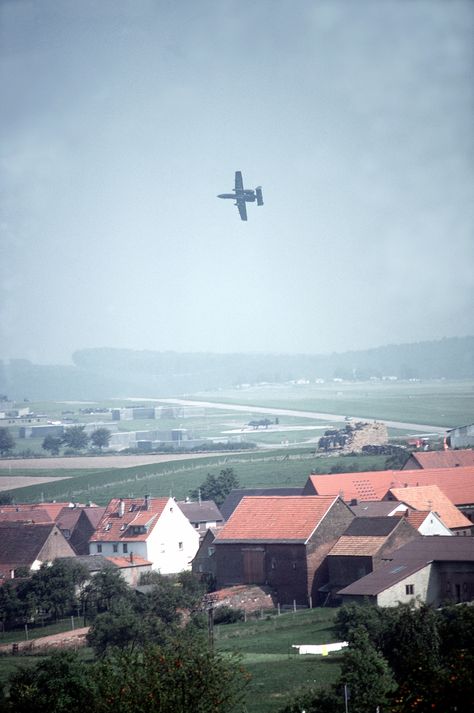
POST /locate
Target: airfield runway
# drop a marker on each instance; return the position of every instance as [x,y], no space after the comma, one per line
[416,427]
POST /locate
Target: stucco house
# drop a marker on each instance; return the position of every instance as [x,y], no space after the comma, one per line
[281,542]
[430,570]
[431,498]
[131,568]
[426,522]
[154,529]
[202,515]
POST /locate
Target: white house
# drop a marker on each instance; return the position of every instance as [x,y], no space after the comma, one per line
[427,523]
[152,528]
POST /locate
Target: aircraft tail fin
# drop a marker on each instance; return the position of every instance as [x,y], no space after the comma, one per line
[259,195]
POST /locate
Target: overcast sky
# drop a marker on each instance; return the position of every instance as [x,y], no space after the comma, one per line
[122,120]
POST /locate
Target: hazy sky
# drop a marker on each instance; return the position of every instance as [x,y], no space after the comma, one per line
[121,120]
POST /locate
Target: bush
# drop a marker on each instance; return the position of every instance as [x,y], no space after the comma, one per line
[227,615]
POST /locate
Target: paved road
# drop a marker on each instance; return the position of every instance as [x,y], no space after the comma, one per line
[417,427]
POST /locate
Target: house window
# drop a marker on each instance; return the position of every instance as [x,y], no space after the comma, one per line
[409,588]
[273,563]
[99,548]
[180,545]
[115,546]
[448,587]
[125,547]
[210,551]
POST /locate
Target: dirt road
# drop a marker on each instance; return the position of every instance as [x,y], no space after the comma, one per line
[96,462]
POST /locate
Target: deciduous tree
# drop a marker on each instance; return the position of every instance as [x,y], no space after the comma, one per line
[100,437]
[52,444]
[218,487]
[76,438]
[7,442]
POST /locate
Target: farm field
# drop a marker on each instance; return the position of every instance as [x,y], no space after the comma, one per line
[277,670]
[253,469]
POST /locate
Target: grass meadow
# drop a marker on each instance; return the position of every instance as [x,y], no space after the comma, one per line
[277,671]
[290,468]
[435,403]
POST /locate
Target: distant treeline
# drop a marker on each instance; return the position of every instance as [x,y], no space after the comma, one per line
[104,373]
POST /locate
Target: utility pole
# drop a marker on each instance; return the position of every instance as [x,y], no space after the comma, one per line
[347,695]
[209,601]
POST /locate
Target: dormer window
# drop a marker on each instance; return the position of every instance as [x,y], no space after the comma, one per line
[138,529]
[123,527]
[107,527]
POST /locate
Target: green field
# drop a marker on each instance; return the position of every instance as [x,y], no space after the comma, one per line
[435,403]
[253,469]
[265,647]
[277,670]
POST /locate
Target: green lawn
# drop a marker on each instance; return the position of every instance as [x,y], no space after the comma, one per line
[277,670]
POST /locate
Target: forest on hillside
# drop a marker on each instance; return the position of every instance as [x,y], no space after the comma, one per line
[107,372]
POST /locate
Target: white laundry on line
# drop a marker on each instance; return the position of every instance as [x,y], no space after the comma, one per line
[323,649]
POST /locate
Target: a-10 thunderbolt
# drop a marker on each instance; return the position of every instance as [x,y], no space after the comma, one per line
[243,195]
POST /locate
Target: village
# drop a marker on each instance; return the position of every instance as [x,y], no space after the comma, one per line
[385,537]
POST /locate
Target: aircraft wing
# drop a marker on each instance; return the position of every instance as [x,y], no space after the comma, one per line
[242,209]
[239,184]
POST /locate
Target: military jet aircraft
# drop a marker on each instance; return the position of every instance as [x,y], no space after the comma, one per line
[243,195]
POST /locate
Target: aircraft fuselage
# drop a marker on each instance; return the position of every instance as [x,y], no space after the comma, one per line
[242,195]
[248,196]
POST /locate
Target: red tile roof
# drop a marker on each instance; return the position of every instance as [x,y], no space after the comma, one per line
[416,518]
[444,459]
[113,528]
[430,497]
[456,483]
[264,519]
[124,562]
[13,514]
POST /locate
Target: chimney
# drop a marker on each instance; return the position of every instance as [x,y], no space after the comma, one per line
[121,508]
[147,502]
[131,557]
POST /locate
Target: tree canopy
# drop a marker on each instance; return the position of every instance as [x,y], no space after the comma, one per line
[100,437]
[76,438]
[217,487]
[7,442]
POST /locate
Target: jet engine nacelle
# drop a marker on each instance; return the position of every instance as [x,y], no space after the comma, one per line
[258,193]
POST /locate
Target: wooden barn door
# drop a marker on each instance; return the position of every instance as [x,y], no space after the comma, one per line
[254,565]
